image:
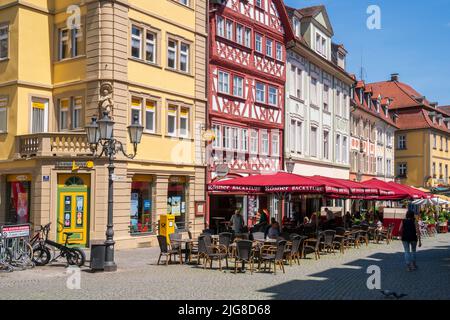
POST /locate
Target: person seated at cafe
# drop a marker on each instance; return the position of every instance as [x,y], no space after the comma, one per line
[379,224]
[274,231]
[305,221]
[237,222]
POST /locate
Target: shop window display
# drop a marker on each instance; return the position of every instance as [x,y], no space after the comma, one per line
[141,217]
[177,200]
[18,206]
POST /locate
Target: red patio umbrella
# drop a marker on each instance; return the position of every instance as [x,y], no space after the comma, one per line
[357,190]
[274,183]
[387,191]
[415,194]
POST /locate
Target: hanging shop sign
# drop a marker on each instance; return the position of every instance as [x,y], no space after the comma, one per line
[74,165]
[222,170]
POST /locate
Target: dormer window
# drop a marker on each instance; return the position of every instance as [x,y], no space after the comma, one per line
[321,45]
[297,28]
[259,4]
[361,95]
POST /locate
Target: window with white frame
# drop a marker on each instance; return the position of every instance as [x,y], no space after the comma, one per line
[184,2]
[39,114]
[326,98]
[229,29]
[239,34]
[64,44]
[224,82]
[338,148]
[321,45]
[4,41]
[326,145]
[273,96]
[3,114]
[296,136]
[264,142]
[260,92]
[184,122]
[238,86]
[258,42]
[402,169]
[150,47]
[379,165]
[244,140]
[235,139]
[77,42]
[313,142]
[217,142]
[275,144]
[388,167]
[279,50]
[259,3]
[389,139]
[297,29]
[77,116]
[172,114]
[338,103]
[136,110]
[64,111]
[379,136]
[313,91]
[172,54]
[299,137]
[136,42]
[292,136]
[269,47]
[150,116]
[227,138]
[248,37]
[402,142]
[254,142]
[344,150]
[184,57]
[220,26]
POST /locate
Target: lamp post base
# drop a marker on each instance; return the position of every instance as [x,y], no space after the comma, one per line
[110,267]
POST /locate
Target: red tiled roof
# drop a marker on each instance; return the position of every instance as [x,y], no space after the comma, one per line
[311,11]
[418,118]
[445,109]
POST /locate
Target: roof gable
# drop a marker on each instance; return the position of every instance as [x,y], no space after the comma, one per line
[320,15]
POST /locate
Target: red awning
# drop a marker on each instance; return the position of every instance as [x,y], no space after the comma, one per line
[387,191]
[415,194]
[279,182]
[357,190]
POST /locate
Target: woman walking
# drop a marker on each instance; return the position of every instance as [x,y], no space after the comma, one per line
[410,234]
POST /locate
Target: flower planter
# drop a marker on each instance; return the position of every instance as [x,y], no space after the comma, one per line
[442,227]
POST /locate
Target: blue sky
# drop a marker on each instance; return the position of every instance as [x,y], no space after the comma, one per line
[414,41]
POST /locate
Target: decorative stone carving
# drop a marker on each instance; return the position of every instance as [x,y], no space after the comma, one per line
[106,104]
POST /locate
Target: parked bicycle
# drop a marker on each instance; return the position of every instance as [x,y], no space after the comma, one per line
[42,247]
[5,256]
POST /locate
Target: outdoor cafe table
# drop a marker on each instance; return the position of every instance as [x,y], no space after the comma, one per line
[188,243]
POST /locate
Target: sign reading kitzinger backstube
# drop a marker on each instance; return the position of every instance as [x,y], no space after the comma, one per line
[305,189]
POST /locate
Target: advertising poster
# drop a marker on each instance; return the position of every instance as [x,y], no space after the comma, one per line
[176,206]
[134,211]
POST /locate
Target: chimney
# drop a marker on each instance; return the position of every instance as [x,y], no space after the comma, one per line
[421,99]
[434,104]
[395,77]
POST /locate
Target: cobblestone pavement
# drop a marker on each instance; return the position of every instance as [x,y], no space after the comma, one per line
[332,277]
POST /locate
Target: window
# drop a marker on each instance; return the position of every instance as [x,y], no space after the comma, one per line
[389,139]
[217,143]
[379,136]
[299,134]
[248,37]
[326,145]
[297,29]
[264,142]
[313,91]
[184,57]
[254,142]
[3,114]
[235,138]
[184,2]
[150,47]
[313,142]
[440,171]
[298,82]
[142,205]
[296,136]
[64,50]
[279,52]
[326,98]
[389,167]
[4,41]
[239,34]
[433,170]
[442,143]
[258,42]
[344,150]
[172,113]
[402,169]
[77,42]
[292,136]
[229,30]
[446,144]
[260,92]
[273,96]
[338,103]
[150,116]
[259,3]
[172,54]
[39,115]
[227,138]
[238,86]
[244,140]
[136,42]
[338,148]
[136,110]
[224,82]
[64,109]
[275,144]
[402,142]
[434,141]
[77,118]
[220,26]
[184,122]
[321,45]
[269,47]
[379,166]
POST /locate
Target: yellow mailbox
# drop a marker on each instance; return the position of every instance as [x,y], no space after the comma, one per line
[166,225]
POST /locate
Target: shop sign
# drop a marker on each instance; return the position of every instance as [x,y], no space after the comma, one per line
[115,177]
[19,178]
[45,178]
[222,170]
[10,232]
[74,165]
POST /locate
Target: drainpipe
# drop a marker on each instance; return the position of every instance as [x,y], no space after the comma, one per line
[207,122]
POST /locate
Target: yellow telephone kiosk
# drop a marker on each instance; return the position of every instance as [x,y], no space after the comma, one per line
[166,225]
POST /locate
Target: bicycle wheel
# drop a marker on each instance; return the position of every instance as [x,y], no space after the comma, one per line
[80,257]
[41,256]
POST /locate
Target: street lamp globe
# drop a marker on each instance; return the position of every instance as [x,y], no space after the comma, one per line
[106,126]
[92,132]
[290,165]
[135,132]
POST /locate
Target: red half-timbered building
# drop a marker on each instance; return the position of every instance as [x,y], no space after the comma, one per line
[247,76]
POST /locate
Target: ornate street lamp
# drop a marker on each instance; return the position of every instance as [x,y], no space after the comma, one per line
[100,135]
[290,165]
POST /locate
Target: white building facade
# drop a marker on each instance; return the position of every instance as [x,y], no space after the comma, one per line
[317,134]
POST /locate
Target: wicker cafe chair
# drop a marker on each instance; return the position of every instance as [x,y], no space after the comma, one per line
[258,236]
[211,252]
[225,240]
[294,253]
[328,240]
[273,254]
[385,234]
[167,251]
[340,240]
[312,246]
[244,254]
[363,234]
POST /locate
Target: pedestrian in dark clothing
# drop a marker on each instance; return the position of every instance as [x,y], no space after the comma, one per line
[410,234]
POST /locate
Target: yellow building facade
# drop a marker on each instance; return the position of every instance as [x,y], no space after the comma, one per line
[56,57]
